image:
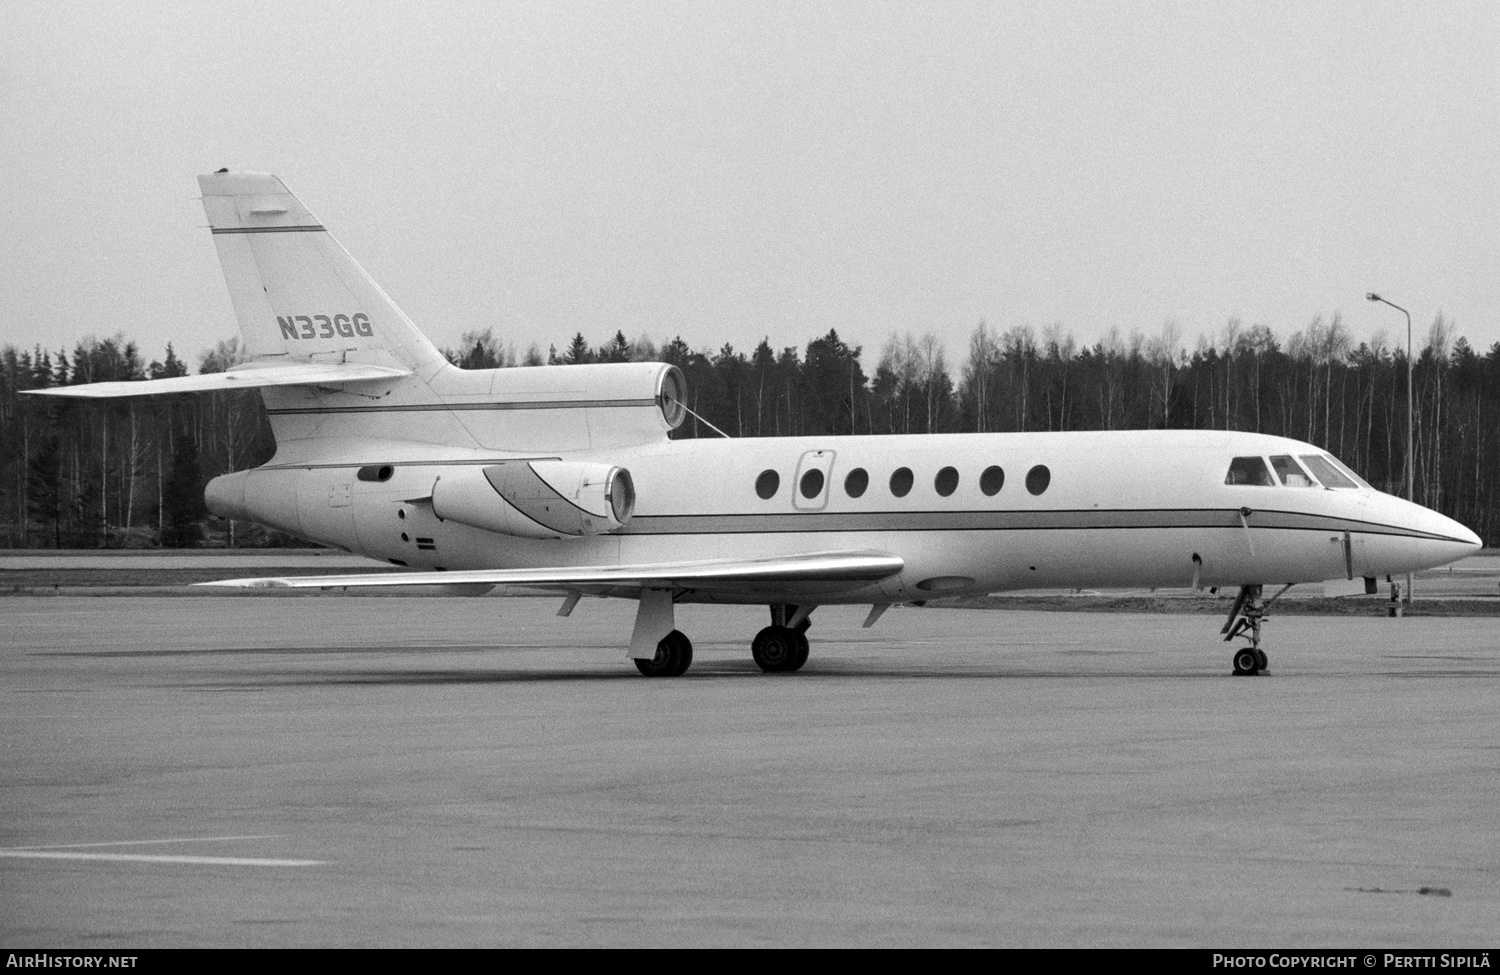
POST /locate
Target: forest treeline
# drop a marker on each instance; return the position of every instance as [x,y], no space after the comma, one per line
[129,472]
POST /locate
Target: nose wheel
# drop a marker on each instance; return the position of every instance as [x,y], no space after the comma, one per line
[1245,620]
[1249,661]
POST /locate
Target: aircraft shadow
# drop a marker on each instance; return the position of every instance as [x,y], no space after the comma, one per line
[700,673]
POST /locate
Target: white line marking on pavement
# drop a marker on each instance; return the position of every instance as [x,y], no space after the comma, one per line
[159,858]
[183,839]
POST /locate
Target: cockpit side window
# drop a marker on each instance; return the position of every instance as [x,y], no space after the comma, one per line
[1290,472]
[1326,472]
[1249,470]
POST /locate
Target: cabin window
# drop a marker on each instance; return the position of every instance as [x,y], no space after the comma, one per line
[901,482]
[1249,470]
[1290,472]
[946,481]
[1038,478]
[1326,472]
[812,484]
[856,483]
[376,472]
[991,481]
[767,484]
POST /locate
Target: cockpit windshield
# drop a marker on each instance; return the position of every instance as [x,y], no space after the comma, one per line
[1326,472]
[1345,468]
[1301,471]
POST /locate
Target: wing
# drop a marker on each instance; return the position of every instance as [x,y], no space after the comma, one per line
[816,572]
[290,374]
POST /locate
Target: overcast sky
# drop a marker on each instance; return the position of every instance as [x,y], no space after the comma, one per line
[728,171]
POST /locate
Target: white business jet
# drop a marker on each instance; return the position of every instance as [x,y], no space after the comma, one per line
[563,479]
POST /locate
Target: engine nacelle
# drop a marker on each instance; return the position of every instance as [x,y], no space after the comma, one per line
[537,498]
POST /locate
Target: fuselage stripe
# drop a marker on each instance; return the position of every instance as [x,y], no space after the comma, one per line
[1007,521]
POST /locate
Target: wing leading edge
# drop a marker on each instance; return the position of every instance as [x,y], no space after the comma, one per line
[827,571]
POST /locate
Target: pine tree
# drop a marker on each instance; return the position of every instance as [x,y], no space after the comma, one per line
[44,489]
[183,508]
[170,368]
[578,352]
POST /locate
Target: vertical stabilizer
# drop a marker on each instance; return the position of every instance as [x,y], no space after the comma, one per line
[298,294]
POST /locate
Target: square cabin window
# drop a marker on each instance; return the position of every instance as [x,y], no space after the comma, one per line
[1291,474]
[1249,470]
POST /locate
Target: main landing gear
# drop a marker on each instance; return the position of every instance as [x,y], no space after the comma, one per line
[674,654]
[782,648]
[1245,619]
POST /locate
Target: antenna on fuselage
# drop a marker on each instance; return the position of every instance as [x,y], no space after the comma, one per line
[700,419]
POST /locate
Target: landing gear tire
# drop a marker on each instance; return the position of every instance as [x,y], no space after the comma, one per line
[674,654]
[779,649]
[1248,662]
[1263,660]
[802,650]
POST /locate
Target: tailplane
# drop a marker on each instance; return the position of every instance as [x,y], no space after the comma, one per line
[297,293]
[345,375]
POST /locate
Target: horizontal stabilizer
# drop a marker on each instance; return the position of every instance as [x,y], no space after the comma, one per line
[290,374]
[848,569]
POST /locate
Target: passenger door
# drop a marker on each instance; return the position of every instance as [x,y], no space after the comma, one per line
[811,486]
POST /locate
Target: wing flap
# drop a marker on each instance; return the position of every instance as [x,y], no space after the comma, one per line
[835,569]
[252,377]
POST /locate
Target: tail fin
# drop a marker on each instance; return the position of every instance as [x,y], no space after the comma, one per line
[298,294]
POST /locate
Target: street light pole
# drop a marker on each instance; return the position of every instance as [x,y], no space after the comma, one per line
[1411,469]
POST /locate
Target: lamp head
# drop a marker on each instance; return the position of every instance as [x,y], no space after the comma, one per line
[1373,296]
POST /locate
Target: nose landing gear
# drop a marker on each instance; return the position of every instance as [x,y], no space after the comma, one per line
[1245,619]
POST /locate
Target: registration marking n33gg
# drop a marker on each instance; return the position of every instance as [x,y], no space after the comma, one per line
[324,327]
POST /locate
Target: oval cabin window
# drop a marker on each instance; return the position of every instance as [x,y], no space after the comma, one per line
[767,484]
[901,482]
[812,484]
[946,481]
[856,483]
[991,481]
[1038,478]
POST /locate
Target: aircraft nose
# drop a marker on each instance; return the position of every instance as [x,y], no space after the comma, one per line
[1459,542]
[1467,537]
[1429,539]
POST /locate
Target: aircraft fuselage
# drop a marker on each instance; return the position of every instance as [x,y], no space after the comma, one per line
[966,512]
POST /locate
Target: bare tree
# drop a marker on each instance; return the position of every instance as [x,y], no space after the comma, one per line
[982,354]
[1164,351]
